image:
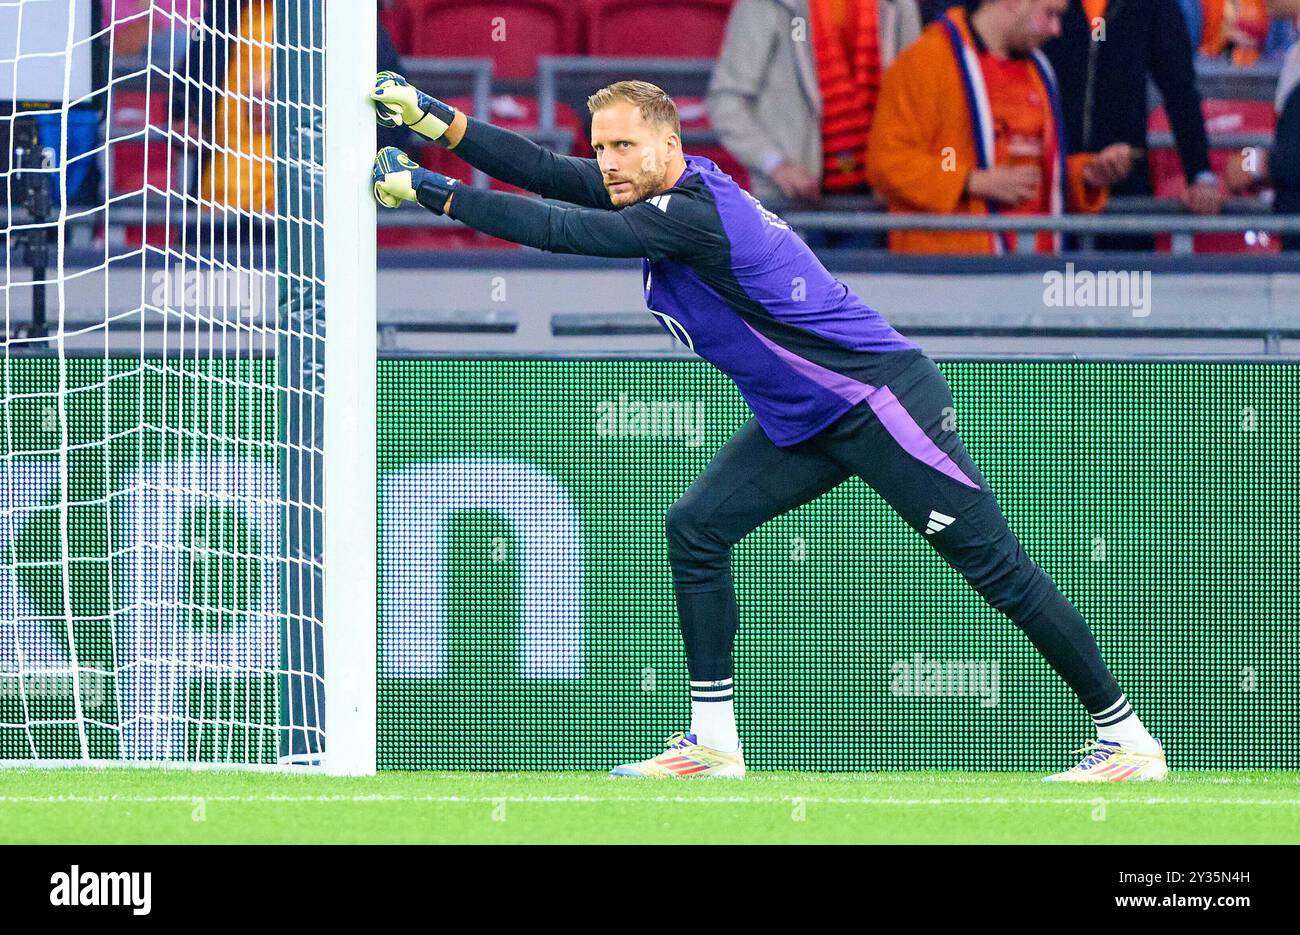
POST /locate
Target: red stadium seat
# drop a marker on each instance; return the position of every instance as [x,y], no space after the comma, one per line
[510,111]
[132,109]
[1168,180]
[667,29]
[695,117]
[693,112]
[129,169]
[153,235]
[421,238]
[129,174]
[395,17]
[510,32]
[519,112]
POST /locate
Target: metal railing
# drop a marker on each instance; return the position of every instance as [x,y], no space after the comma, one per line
[1181,228]
[570,78]
[1224,81]
[626,324]
[1243,218]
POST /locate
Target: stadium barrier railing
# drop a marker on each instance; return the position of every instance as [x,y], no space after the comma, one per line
[1181,228]
[1241,217]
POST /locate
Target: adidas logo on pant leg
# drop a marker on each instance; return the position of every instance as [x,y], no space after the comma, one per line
[938,522]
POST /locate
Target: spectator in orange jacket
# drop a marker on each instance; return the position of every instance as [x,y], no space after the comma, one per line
[969,122]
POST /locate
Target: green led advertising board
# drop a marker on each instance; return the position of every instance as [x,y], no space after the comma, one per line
[526,612]
[1161,497]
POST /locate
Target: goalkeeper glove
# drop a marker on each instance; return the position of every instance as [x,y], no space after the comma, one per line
[397,178]
[398,103]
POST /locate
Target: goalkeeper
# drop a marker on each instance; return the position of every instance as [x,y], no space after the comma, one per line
[834,389]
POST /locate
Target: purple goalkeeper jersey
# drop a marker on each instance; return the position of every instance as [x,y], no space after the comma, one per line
[722,274]
[750,297]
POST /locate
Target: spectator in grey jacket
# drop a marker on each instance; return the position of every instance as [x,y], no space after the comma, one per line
[767,97]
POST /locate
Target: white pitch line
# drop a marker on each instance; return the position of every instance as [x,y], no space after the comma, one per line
[14,767]
[920,779]
[658,799]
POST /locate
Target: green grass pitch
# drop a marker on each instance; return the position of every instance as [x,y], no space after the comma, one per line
[116,805]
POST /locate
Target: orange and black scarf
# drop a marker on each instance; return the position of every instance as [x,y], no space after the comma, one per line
[846,48]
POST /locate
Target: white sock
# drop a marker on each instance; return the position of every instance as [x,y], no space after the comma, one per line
[713,715]
[1119,724]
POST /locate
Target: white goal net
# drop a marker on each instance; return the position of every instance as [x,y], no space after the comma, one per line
[175,422]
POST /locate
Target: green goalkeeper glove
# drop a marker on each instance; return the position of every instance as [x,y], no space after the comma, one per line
[397,178]
[398,103]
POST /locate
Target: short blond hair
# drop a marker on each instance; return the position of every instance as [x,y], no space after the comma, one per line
[652,101]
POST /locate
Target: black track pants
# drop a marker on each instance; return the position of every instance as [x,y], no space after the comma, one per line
[902,442]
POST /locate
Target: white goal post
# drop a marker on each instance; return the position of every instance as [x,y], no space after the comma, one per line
[188,516]
[351,506]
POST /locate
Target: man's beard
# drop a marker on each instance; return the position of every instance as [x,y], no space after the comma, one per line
[639,188]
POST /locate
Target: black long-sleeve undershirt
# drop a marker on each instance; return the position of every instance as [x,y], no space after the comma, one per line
[682,223]
[517,160]
[589,224]
[554,228]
